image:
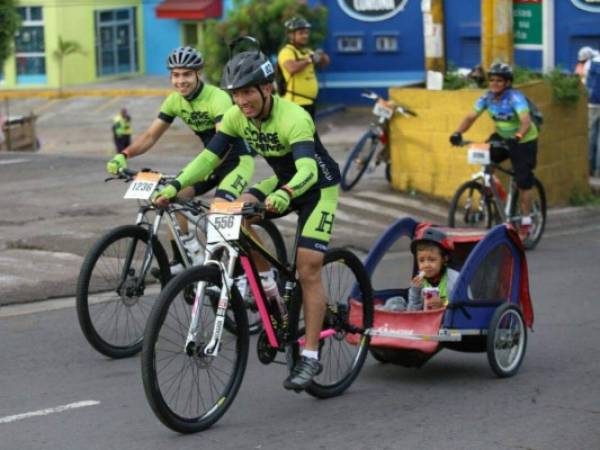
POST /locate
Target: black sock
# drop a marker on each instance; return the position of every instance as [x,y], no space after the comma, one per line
[176,254]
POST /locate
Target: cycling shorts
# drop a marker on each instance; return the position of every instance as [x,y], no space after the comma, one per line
[316,214]
[230,178]
[523,158]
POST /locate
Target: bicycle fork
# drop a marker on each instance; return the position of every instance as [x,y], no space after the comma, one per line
[212,347]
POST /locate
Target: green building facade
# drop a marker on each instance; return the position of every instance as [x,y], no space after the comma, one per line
[108,32]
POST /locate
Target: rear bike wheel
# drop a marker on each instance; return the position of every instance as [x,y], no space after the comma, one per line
[187,389]
[537,213]
[114,298]
[359,160]
[470,207]
[344,350]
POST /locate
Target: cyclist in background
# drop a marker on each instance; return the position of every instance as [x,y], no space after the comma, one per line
[306,180]
[201,106]
[509,110]
[298,63]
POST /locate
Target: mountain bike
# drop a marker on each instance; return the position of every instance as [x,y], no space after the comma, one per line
[373,148]
[194,355]
[483,201]
[124,271]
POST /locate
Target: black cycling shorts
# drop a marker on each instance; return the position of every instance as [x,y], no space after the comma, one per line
[215,178]
[523,158]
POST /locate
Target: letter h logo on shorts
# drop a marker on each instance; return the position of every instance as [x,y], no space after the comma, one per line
[326,221]
[239,184]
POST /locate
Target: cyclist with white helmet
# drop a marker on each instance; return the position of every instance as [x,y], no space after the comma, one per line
[306,180]
[201,106]
[590,73]
[509,110]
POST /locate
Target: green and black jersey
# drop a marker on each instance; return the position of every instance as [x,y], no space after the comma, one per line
[201,113]
[287,135]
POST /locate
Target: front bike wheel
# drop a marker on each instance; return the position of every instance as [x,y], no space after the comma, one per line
[470,207]
[114,296]
[537,213]
[345,344]
[359,160]
[187,389]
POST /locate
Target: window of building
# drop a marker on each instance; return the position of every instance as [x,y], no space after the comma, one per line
[190,34]
[349,44]
[116,41]
[386,43]
[30,49]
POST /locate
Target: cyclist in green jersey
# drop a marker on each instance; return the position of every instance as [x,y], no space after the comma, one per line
[306,180]
[201,106]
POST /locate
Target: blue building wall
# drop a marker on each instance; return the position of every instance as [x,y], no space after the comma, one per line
[463,32]
[576,24]
[160,37]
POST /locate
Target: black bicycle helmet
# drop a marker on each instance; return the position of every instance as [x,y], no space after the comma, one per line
[501,70]
[432,234]
[185,58]
[296,23]
[248,68]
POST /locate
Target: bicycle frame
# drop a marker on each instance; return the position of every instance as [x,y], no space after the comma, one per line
[268,312]
[504,208]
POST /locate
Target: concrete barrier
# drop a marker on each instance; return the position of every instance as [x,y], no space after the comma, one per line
[424,160]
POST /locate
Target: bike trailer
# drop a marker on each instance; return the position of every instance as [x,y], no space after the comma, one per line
[492,273]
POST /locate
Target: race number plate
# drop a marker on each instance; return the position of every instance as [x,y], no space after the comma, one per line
[383,109]
[143,186]
[223,227]
[479,154]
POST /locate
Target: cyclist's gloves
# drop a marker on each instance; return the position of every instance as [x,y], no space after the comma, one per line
[278,201]
[165,195]
[456,139]
[117,163]
[512,142]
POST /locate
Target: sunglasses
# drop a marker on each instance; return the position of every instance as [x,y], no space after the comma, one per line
[497,80]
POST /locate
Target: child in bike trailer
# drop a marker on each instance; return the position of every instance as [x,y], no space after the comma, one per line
[432,286]
[509,110]
[201,106]
[306,180]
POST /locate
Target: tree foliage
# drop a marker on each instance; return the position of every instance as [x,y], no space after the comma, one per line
[9,24]
[262,19]
[64,49]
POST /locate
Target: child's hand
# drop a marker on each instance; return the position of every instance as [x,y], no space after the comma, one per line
[416,281]
[434,302]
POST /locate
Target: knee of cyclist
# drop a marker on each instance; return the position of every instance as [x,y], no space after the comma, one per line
[309,273]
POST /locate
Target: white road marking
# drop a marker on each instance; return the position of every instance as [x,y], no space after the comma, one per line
[47,411]
[13,161]
[431,208]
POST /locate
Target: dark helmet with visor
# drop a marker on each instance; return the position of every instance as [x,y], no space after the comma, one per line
[247,68]
[434,235]
[296,23]
[185,58]
[501,70]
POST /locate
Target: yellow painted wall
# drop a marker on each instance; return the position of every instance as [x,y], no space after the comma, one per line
[423,159]
[73,20]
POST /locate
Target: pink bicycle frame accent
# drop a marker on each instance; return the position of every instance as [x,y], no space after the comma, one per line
[262,309]
[260,302]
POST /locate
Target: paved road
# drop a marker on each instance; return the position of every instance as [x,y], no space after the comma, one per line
[56,206]
[453,402]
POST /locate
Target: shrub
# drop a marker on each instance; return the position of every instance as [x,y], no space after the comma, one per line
[262,19]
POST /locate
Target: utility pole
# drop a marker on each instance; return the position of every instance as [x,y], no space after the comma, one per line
[433,28]
[497,32]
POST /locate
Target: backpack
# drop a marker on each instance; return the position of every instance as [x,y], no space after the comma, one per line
[280,81]
[536,115]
